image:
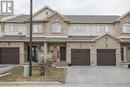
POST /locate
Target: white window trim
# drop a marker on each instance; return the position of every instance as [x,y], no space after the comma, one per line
[104,28]
[37,28]
[79,29]
[16,28]
[125,29]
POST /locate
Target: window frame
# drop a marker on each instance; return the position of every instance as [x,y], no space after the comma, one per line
[37,27]
[14,28]
[124,27]
[79,29]
[53,30]
[105,29]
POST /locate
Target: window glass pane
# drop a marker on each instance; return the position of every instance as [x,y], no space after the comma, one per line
[56,27]
[107,29]
[37,29]
[78,28]
[126,28]
[15,28]
[11,29]
[102,29]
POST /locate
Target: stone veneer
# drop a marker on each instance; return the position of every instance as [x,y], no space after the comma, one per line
[105,42]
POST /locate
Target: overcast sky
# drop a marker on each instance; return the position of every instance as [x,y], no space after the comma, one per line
[76,7]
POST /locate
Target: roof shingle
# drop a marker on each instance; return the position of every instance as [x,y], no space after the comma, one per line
[76,18]
[92,18]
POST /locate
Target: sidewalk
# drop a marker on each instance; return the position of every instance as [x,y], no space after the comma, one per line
[29,83]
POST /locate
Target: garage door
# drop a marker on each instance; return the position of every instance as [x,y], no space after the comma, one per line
[106,57]
[9,55]
[80,57]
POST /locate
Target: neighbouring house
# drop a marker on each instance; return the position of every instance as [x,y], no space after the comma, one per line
[82,40]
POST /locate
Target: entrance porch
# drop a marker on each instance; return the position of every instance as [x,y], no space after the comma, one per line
[125,54]
[56,52]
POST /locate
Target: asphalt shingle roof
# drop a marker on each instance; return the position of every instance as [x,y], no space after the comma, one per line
[76,18]
[20,18]
[24,38]
[125,39]
[69,39]
[92,18]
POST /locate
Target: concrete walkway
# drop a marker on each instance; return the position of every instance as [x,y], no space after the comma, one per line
[69,85]
[98,75]
[5,68]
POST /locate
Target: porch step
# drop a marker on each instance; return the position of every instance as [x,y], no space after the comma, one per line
[61,64]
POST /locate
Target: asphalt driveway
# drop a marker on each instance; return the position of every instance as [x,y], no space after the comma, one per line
[5,68]
[98,75]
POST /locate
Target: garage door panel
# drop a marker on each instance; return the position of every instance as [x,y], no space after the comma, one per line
[80,56]
[106,57]
[9,55]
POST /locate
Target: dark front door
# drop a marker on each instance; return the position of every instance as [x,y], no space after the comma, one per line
[63,53]
[106,57]
[9,55]
[34,53]
[80,57]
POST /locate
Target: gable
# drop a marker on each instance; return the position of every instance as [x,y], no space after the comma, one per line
[107,37]
[56,16]
[42,14]
[125,17]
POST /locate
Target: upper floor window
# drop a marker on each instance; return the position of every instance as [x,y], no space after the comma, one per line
[37,28]
[78,28]
[56,28]
[102,29]
[15,28]
[126,28]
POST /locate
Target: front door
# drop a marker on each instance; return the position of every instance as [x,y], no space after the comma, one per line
[128,54]
[34,54]
[63,53]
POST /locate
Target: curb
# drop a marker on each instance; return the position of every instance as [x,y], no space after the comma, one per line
[29,83]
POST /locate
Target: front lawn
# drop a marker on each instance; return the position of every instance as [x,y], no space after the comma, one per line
[52,74]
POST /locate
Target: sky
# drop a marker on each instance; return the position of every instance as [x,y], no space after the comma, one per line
[76,7]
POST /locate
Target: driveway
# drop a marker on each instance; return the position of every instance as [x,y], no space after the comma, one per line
[98,75]
[5,68]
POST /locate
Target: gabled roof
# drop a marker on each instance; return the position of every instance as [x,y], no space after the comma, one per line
[18,18]
[46,19]
[71,18]
[122,16]
[3,16]
[92,18]
[40,10]
[108,35]
[104,19]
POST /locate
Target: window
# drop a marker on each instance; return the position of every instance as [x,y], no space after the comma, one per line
[126,28]
[56,28]
[15,28]
[102,29]
[37,28]
[79,28]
